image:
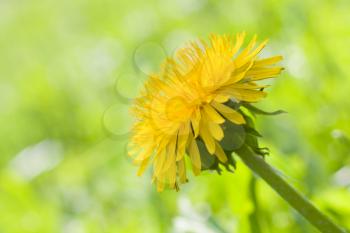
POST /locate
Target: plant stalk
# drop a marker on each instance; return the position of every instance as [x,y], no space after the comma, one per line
[254,216]
[258,165]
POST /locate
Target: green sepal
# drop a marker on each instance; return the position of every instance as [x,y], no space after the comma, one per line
[256,110]
[252,131]
[233,104]
[211,162]
[235,137]
[208,161]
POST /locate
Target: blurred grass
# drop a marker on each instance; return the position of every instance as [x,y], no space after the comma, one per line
[69,68]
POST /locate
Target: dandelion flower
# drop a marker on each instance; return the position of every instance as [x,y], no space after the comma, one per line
[182,111]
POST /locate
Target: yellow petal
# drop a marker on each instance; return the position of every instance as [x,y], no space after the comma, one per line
[162,142]
[182,141]
[146,153]
[239,74]
[195,120]
[244,94]
[258,49]
[255,51]
[259,73]
[143,166]
[239,41]
[195,157]
[240,60]
[171,174]
[132,150]
[248,85]
[159,161]
[268,61]
[212,114]
[216,131]
[160,185]
[221,98]
[170,153]
[182,170]
[231,114]
[219,152]
[251,56]
[236,78]
[207,138]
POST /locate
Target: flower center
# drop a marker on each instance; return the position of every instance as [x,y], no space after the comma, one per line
[177,109]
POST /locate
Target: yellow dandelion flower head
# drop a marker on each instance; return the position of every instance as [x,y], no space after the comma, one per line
[182,111]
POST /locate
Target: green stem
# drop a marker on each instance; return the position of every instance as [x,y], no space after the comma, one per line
[254,216]
[258,165]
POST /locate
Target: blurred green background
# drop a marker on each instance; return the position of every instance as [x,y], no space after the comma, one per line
[69,69]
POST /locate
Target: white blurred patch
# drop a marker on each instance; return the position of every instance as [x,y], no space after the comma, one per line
[78,198]
[36,159]
[73,226]
[7,12]
[100,60]
[337,133]
[295,61]
[342,176]
[189,220]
